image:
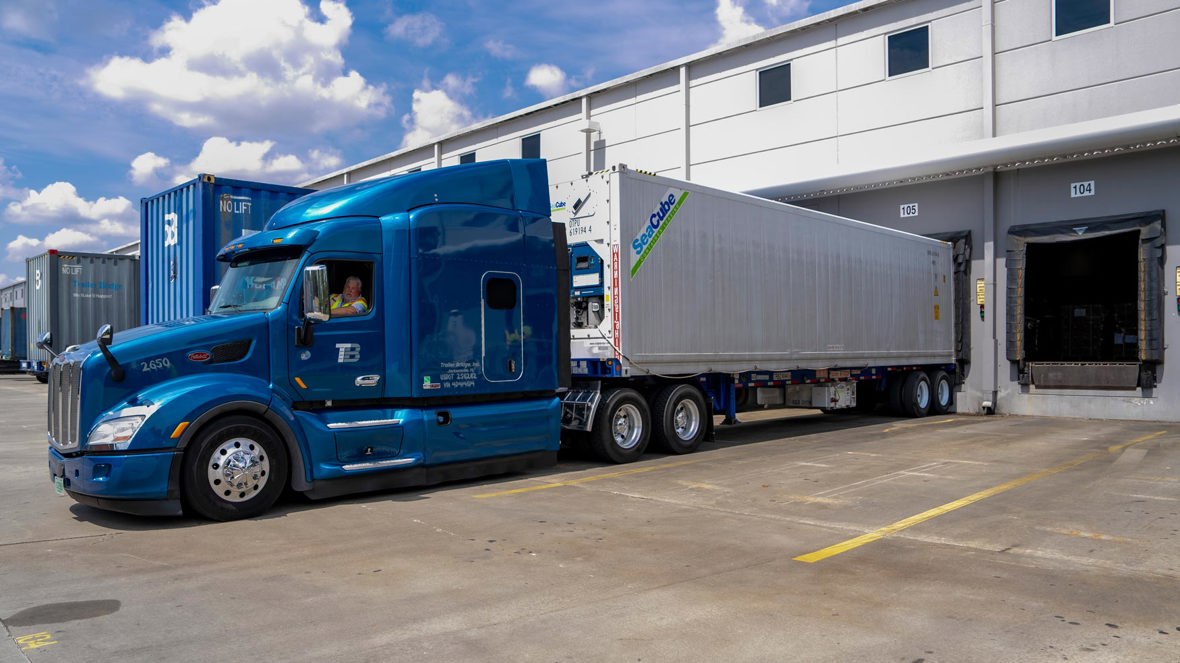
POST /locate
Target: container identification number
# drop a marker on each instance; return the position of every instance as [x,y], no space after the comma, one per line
[154,365]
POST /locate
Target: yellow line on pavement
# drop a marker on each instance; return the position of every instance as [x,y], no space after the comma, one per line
[923,423]
[900,525]
[596,477]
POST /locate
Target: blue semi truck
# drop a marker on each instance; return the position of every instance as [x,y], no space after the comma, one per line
[459,365]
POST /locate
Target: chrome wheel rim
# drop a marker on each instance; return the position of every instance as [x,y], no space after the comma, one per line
[238,469]
[686,419]
[627,427]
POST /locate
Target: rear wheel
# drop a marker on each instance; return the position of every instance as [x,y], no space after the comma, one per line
[622,427]
[679,416]
[915,394]
[43,378]
[943,393]
[236,468]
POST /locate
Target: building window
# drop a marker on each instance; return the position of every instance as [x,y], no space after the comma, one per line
[467,158]
[1070,16]
[774,85]
[414,170]
[530,147]
[908,51]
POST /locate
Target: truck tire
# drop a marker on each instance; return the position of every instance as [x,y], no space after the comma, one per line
[942,393]
[235,468]
[679,413]
[866,396]
[622,427]
[915,394]
[43,378]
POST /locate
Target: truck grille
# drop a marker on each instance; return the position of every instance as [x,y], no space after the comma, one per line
[65,383]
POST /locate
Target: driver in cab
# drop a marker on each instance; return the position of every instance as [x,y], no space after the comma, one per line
[350,302]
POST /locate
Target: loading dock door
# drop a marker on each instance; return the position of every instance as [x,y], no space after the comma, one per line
[1085,304]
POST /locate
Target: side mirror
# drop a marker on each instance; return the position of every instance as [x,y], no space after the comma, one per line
[213,295]
[316,302]
[45,342]
[104,337]
[316,298]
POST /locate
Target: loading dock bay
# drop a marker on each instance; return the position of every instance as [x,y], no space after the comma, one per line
[809,538]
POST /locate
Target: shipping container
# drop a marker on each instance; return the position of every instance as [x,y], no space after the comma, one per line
[14,333]
[673,277]
[183,228]
[71,295]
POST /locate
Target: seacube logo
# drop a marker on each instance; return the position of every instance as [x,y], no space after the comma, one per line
[656,224]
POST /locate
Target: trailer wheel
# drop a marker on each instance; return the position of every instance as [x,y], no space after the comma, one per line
[915,394]
[943,393]
[622,427]
[236,468]
[679,416]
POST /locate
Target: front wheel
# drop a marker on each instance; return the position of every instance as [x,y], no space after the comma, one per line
[236,468]
[622,427]
[679,415]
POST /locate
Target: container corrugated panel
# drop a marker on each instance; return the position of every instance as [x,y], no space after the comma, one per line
[19,331]
[71,295]
[733,283]
[181,231]
[13,333]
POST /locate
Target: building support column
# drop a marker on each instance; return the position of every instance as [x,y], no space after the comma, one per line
[686,122]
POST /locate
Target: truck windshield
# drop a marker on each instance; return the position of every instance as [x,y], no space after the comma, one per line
[255,282]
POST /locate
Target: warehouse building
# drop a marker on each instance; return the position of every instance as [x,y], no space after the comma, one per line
[1041,137]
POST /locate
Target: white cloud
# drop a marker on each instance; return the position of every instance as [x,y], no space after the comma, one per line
[436,112]
[60,203]
[23,247]
[144,167]
[251,160]
[509,90]
[547,79]
[420,30]
[735,23]
[501,50]
[255,65]
[81,224]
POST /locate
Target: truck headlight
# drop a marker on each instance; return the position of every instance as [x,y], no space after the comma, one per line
[114,434]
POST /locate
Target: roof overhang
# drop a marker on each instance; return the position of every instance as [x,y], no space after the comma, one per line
[1158,127]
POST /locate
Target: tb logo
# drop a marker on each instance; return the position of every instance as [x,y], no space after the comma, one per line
[349,353]
[171,229]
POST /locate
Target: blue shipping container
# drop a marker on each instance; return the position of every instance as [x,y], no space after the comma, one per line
[182,229]
[14,333]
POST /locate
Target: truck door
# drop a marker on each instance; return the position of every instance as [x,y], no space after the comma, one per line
[346,359]
[503,327]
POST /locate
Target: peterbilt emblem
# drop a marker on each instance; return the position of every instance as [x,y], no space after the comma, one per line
[199,355]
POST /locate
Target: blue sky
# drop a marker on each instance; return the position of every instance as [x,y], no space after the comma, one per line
[104,102]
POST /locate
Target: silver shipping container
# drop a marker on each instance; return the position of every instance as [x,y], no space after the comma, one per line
[674,278]
[71,295]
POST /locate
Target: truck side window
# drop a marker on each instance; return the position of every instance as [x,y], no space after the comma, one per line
[352,287]
[501,294]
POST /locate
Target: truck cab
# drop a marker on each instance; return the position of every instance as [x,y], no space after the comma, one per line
[451,368]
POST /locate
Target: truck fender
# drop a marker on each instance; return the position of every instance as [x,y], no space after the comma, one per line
[200,399]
